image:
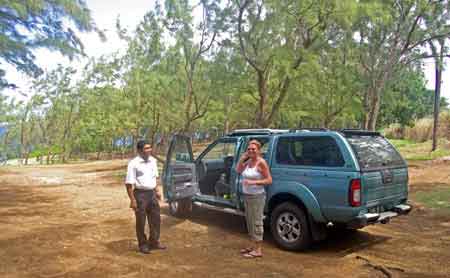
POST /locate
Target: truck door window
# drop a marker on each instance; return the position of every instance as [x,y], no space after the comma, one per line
[221,150]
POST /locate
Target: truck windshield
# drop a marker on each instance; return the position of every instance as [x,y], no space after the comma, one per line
[374,152]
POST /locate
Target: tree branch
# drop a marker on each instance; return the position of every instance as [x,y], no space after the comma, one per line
[283,93]
[241,42]
[435,37]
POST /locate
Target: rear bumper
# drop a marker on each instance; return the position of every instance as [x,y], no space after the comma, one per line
[383,217]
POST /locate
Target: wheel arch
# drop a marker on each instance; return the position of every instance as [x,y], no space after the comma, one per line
[304,199]
[285,197]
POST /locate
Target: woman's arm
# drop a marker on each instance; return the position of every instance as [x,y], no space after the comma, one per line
[265,172]
[240,167]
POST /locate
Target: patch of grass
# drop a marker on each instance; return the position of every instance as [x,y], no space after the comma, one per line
[428,155]
[438,199]
[121,174]
[411,150]
[401,143]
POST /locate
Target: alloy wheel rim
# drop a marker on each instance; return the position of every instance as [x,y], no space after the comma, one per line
[288,227]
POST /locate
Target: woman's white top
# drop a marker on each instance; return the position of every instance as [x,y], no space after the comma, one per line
[252,173]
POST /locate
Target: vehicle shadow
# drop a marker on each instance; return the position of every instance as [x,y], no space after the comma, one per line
[209,218]
[339,243]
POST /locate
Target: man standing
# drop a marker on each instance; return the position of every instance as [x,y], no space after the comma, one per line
[144,195]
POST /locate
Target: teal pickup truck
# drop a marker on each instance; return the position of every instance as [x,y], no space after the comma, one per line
[321,178]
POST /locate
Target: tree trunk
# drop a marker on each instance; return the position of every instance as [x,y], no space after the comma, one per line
[188,107]
[372,103]
[53,157]
[279,101]
[226,124]
[133,146]
[23,147]
[262,90]
[437,97]
[67,134]
[136,139]
[367,104]
[375,110]
[155,123]
[439,64]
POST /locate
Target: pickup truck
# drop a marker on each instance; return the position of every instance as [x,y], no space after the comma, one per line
[321,178]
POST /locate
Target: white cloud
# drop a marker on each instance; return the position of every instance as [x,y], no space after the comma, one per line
[104,13]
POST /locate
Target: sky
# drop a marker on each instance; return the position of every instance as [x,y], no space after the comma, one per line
[130,13]
[104,14]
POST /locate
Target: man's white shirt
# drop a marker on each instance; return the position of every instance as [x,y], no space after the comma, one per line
[142,174]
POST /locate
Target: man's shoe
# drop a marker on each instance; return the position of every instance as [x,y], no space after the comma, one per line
[144,249]
[158,246]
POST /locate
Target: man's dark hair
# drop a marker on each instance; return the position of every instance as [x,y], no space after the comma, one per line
[141,143]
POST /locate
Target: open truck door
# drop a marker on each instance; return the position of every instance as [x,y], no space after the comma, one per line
[179,179]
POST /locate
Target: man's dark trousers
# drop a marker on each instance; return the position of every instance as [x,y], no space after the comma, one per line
[147,208]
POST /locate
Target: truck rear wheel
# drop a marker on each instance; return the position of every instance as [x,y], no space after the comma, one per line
[180,208]
[289,227]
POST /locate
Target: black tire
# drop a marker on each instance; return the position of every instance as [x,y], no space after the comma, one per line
[180,208]
[289,227]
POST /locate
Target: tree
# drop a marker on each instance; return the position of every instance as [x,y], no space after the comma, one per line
[104,109]
[277,37]
[142,76]
[230,79]
[8,118]
[439,67]
[55,104]
[179,21]
[31,24]
[407,99]
[391,35]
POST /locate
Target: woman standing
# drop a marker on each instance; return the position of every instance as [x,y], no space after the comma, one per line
[256,174]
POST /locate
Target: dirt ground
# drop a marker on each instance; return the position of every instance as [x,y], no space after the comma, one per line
[74,221]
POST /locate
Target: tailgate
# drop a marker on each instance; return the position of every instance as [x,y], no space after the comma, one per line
[383,189]
[384,173]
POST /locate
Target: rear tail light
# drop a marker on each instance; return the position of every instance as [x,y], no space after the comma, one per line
[354,196]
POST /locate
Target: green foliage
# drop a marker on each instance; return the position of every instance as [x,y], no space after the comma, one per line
[392,36]
[407,100]
[27,25]
[412,151]
[242,64]
[401,143]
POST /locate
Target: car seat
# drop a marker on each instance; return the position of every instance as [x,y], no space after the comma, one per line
[222,186]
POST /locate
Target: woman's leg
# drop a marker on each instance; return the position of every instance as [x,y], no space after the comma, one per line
[259,203]
[248,217]
[254,218]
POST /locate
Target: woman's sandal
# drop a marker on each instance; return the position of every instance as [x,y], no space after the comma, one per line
[252,254]
[246,250]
